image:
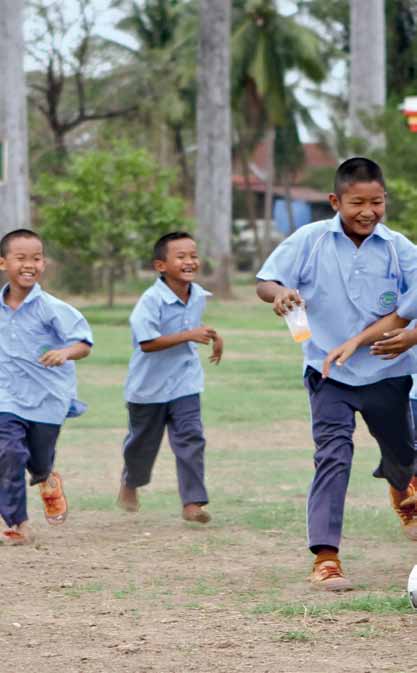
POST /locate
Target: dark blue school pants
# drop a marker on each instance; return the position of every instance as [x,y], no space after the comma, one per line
[24,445]
[413,405]
[147,422]
[385,409]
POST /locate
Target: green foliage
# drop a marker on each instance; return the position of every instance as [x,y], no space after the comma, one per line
[109,207]
[403,195]
[401,32]
[266,46]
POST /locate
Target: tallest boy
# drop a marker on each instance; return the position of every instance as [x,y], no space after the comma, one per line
[350,271]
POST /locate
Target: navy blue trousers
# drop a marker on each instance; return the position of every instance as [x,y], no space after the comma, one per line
[385,409]
[24,445]
[413,404]
[147,422]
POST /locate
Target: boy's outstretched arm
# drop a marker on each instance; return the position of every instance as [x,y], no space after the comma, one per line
[201,335]
[57,357]
[217,351]
[374,334]
[283,298]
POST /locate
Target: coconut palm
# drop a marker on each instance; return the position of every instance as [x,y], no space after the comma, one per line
[266,46]
[367,66]
[213,187]
[164,58]
[14,202]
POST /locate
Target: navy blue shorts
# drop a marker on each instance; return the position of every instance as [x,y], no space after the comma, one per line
[24,445]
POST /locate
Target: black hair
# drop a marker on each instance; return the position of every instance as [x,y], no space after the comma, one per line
[357,169]
[16,233]
[161,246]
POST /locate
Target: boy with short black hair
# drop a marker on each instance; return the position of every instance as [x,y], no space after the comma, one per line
[40,336]
[350,271]
[165,377]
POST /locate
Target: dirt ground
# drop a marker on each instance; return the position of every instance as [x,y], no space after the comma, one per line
[148,593]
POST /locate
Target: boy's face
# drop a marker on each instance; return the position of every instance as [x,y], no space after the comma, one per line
[361,206]
[24,262]
[181,262]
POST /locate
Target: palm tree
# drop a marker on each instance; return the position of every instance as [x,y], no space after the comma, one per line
[14,203]
[266,46]
[367,66]
[213,188]
[165,32]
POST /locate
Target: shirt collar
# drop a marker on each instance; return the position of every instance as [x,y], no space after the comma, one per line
[169,297]
[35,292]
[380,230]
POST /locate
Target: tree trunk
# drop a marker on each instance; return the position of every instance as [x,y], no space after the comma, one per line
[111,279]
[214,173]
[367,67]
[14,201]
[288,201]
[270,179]
[250,205]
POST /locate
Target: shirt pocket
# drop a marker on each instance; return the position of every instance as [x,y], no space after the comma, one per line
[380,295]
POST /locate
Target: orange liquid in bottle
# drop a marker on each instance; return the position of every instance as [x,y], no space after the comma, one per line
[302,336]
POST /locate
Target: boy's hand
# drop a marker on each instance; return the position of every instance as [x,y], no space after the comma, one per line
[285,300]
[339,355]
[217,353]
[395,342]
[54,358]
[202,335]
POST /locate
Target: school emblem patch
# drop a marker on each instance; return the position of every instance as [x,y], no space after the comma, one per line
[388,299]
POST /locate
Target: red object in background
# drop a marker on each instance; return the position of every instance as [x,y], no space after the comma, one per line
[409,109]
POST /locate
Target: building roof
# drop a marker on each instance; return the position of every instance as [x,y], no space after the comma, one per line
[316,156]
[297,192]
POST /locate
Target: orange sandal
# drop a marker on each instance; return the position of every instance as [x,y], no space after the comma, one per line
[54,500]
[14,537]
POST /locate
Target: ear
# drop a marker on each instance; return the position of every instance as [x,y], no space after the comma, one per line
[334,201]
[159,265]
[2,263]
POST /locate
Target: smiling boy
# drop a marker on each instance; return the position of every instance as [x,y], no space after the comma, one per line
[350,271]
[40,336]
[165,377]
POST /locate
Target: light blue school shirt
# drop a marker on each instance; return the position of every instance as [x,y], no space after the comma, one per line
[27,388]
[347,288]
[174,372]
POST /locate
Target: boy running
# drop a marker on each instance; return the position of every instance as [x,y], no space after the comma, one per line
[165,377]
[350,271]
[40,336]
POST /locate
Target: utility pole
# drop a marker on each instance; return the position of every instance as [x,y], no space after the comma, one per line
[14,201]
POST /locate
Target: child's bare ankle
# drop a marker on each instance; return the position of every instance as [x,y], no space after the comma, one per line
[128,498]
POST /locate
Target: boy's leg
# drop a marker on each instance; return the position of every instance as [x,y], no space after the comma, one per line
[42,439]
[14,454]
[187,441]
[413,408]
[140,448]
[333,423]
[386,411]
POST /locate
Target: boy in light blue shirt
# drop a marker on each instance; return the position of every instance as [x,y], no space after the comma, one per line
[40,338]
[350,271]
[165,377]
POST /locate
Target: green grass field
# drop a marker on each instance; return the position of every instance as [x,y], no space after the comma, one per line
[258,386]
[245,573]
